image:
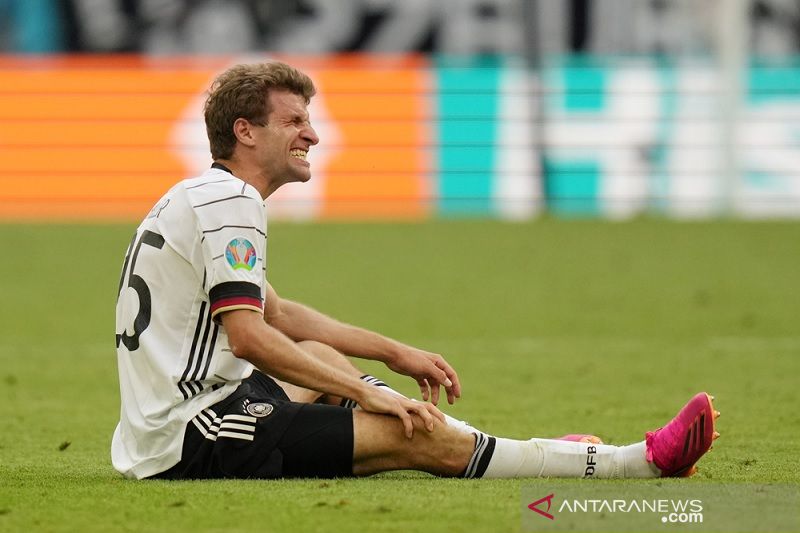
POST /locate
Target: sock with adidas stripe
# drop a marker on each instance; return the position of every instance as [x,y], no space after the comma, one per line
[496,457]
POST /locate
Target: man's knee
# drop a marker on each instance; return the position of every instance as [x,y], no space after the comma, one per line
[382,445]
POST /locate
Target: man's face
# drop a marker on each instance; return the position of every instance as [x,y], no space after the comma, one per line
[284,141]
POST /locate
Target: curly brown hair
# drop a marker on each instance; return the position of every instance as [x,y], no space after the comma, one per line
[242,91]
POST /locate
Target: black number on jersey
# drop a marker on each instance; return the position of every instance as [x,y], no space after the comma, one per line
[138,284]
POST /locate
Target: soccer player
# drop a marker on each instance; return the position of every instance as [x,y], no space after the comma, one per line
[221,377]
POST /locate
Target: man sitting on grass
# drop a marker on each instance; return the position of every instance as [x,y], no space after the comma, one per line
[220,377]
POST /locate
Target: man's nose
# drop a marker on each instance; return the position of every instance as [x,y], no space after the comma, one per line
[310,135]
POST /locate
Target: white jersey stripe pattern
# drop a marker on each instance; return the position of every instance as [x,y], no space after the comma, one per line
[203,319]
[232,435]
[241,418]
[234,426]
[205,418]
[199,253]
[192,386]
[230,426]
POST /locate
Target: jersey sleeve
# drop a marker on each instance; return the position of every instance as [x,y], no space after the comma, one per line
[231,227]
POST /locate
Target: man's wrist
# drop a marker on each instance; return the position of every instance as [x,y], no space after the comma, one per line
[392,352]
[361,392]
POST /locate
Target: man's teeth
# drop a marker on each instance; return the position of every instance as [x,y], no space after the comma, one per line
[299,154]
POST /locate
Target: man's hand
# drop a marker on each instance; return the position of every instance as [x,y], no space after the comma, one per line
[300,322]
[431,372]
[377,401]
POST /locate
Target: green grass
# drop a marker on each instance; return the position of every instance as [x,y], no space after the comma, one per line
[554,327]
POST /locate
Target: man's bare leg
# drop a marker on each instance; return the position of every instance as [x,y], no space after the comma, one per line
[671,450]
[381,445]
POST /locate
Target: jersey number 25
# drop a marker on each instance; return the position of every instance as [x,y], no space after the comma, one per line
[138,284]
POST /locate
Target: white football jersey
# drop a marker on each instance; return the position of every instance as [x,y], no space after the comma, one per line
[199,252]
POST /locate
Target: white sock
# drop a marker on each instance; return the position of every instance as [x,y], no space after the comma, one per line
[557,458]
[452,422]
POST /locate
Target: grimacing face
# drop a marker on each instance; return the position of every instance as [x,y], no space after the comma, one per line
[284,141]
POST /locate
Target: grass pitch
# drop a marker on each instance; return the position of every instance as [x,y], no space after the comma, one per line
[554,327]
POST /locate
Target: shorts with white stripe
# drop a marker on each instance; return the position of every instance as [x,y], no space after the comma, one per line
[258,433]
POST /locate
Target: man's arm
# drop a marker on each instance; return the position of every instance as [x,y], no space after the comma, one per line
[252,339]
[300,322]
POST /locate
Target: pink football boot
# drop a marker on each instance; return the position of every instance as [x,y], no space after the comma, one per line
[676,447]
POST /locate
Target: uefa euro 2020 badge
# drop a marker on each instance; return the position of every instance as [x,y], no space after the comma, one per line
[240,253]
[259,409]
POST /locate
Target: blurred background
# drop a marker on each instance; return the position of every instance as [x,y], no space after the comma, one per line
[512,133]
[426,108]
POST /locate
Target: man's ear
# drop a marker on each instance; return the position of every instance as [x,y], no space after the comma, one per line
[243,130]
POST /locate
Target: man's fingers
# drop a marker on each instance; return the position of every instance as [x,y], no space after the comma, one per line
[435,394]
[407,423]
[450,381]
[424,389]
[456,385]
[452,377]
[441,375]
[436,413]
[422,410]
[451,397]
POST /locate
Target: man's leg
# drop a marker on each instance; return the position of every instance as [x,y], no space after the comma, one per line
[671,450]
[381,445]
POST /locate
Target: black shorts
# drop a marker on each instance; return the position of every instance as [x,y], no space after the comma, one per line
[257,433]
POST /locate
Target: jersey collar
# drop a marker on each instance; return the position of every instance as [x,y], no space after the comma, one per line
[220,166]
